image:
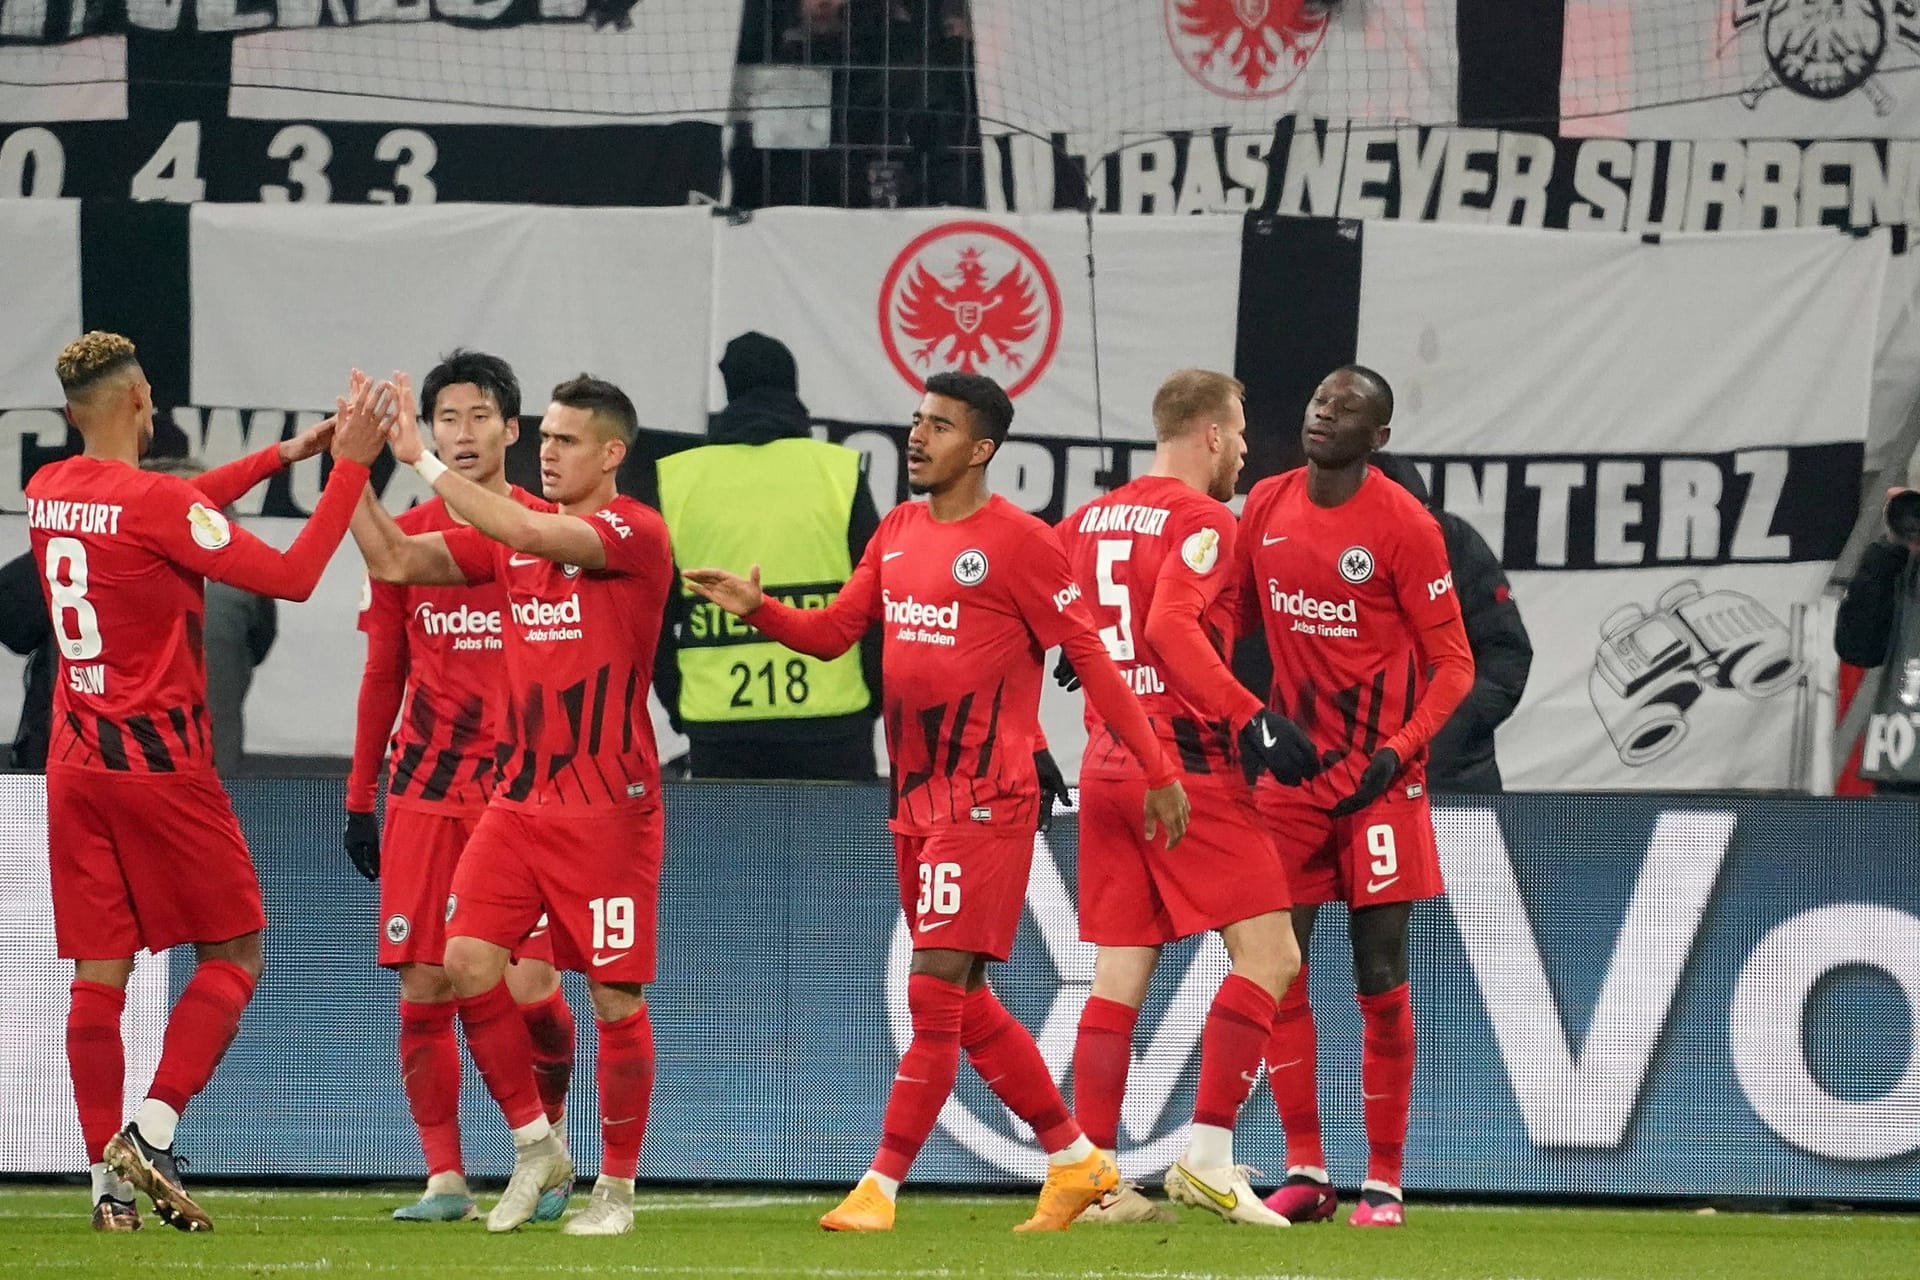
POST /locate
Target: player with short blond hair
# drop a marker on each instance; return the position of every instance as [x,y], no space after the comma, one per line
[1155,559]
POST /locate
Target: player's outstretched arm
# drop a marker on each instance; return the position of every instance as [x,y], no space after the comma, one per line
[560,538]
[227,484]
[393,555]
[206,543]
[1107,690]
[818,633]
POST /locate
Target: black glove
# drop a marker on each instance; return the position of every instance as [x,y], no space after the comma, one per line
[1053,784]
[1064,675]
[1280,746]
[1374,781]
[362,842]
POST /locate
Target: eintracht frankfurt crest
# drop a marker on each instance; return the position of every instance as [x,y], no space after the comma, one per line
[1245,48]
[971,297]
[1825,49]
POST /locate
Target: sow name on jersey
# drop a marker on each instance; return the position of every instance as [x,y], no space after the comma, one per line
[922,623]
[58,516]
[1312,616]
[545,621]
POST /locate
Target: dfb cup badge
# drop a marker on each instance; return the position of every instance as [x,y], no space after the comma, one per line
[1245,48]
[970,297]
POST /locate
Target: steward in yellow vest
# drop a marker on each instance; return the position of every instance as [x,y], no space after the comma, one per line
[762,490]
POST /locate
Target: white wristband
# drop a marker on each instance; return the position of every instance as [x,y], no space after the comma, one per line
[429,468]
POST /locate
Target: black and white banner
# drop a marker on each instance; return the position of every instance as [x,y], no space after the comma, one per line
[1741,69]
[1661,440]
[366,101]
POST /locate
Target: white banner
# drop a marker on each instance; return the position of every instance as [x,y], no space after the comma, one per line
[870,310]
[1740,69]
[40,285]
[1662,442]
[1100,73]
[287,299]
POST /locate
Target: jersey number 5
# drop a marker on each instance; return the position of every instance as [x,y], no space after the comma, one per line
[1119,637]
[74,620]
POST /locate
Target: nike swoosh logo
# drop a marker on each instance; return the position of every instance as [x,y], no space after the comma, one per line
[1229,1201]
[599,959]
[1266,541]
[930,925]
[1266,736]
[892,555]
[1282,1066]
[1375,886]
[518,561]
[1372,1097]
[1250,1077]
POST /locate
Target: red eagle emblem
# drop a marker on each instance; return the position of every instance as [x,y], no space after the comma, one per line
[971,297]
[1245,48]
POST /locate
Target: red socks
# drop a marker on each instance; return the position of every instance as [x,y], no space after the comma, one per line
[97,1061]
[201,1026]
[430,1075]
[503,1051]
[626,1087]
[1238,1025]
[1003,1052]
[925,1079]
[550,1025]
[1102,1056]
[1386,1078]
[1290,1070]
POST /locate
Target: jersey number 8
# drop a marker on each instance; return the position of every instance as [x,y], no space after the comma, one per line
[74,620]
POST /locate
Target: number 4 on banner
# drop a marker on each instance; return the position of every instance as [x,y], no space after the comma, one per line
[173,171]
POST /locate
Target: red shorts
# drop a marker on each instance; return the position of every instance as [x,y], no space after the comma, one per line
[593,874]
[1384,853]
[418,854]
[962,890]
[1136,894]
[149,861]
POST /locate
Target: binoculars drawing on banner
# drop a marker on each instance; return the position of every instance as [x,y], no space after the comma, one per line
[1650,668]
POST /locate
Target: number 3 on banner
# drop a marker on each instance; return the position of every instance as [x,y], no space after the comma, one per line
[74,620]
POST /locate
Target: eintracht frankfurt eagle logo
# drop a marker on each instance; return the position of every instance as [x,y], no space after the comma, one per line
[971,297]
[1245,48]
[1825,49]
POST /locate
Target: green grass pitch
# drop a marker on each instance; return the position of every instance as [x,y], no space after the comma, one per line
[746,1235]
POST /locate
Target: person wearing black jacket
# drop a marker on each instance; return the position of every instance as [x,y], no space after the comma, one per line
[1880,612]
[26,629]
[1461,758]
[747,735]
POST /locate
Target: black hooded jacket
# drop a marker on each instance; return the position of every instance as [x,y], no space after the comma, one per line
[1461,754]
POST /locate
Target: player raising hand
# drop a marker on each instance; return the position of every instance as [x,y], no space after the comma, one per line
[970,592]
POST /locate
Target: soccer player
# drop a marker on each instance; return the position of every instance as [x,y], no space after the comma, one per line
[574,829]
[971,591]
[143,847]
[439,649]
[1155,556]
[1348,574]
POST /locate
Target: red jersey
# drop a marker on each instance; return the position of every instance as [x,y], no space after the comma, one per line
[123,556]
[434,654]
[967,609]
[579,660]
[1346,595]
[1151,533]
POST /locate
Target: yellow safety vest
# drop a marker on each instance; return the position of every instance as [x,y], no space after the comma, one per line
[783,506]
